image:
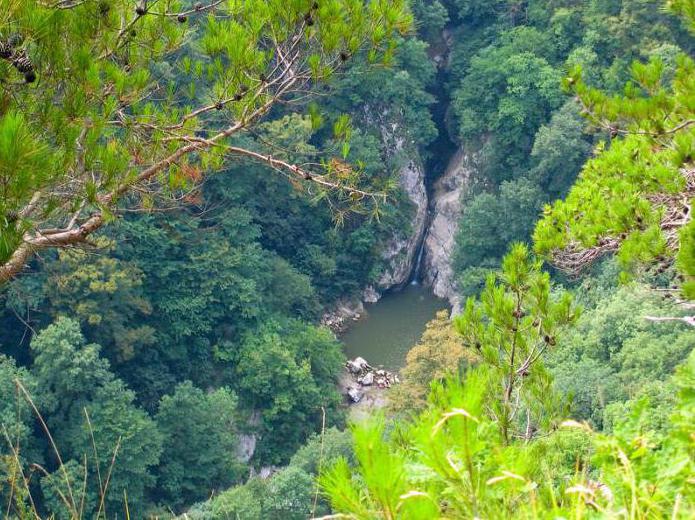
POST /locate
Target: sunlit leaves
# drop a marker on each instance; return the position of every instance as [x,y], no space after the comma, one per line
[629,192]
[124,89]
[24,165]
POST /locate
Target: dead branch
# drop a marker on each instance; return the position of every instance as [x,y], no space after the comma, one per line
[690,320]
[677,212]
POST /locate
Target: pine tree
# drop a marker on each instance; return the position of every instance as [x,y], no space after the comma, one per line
[109,102]
[453,460]
[634,197]
[514,322]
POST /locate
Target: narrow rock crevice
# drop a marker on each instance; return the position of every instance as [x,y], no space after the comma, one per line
[434,183]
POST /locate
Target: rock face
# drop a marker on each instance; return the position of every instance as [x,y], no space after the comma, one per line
[246,446]
[446,211]
[370,295]
[400,253]
[345,311]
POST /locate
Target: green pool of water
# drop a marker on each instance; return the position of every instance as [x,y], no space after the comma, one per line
[392,326]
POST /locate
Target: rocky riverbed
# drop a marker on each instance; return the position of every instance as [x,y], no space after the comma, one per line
[365,387]
[342,315]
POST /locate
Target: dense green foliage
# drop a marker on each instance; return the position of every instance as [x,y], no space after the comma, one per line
[291,493]
[199,443]
[492,442]
[174,361]
[506,72]
[200,304]
[94,104]
[614,354]
[91,412]
[495,442]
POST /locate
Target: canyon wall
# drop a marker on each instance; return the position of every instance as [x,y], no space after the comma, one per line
[437,271]
[400,253]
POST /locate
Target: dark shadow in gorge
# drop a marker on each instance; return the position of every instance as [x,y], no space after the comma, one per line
[438,153]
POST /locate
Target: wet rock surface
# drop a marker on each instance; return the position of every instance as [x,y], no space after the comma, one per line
[370,295]
[400,253]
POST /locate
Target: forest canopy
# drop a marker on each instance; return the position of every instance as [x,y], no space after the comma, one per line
[188,189]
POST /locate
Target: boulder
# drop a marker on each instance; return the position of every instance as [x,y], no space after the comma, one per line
[344,311]
[367,379]
[357,365]
[354,394]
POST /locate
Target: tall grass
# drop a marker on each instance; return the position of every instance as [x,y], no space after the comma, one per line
[18,481]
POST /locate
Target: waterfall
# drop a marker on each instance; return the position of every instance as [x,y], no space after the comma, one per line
[415,274]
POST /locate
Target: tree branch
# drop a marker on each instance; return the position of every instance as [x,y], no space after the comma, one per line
[690,320]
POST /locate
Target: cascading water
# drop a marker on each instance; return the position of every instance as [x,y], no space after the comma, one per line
[415,274]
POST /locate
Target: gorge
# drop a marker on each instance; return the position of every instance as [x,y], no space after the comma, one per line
[422,281]
[418,279]
[206,207]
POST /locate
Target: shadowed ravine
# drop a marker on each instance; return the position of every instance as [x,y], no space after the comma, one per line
[394,324]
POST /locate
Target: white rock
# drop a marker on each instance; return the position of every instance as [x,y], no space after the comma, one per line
[367,379]
[354,394]
[361,362]
[439,242]
[246,446]
[370,295]
[401,251]
[357,365]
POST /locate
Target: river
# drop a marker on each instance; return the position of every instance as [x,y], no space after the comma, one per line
[392,326]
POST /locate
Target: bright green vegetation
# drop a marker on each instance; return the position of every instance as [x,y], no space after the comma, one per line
[291,493]
[495,441]
[191,166]
[450,463]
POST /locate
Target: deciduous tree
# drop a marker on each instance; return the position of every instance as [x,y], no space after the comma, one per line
[200,441]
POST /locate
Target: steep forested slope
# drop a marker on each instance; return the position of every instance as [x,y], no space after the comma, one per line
[192,316]
[182,342]
[506,64]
